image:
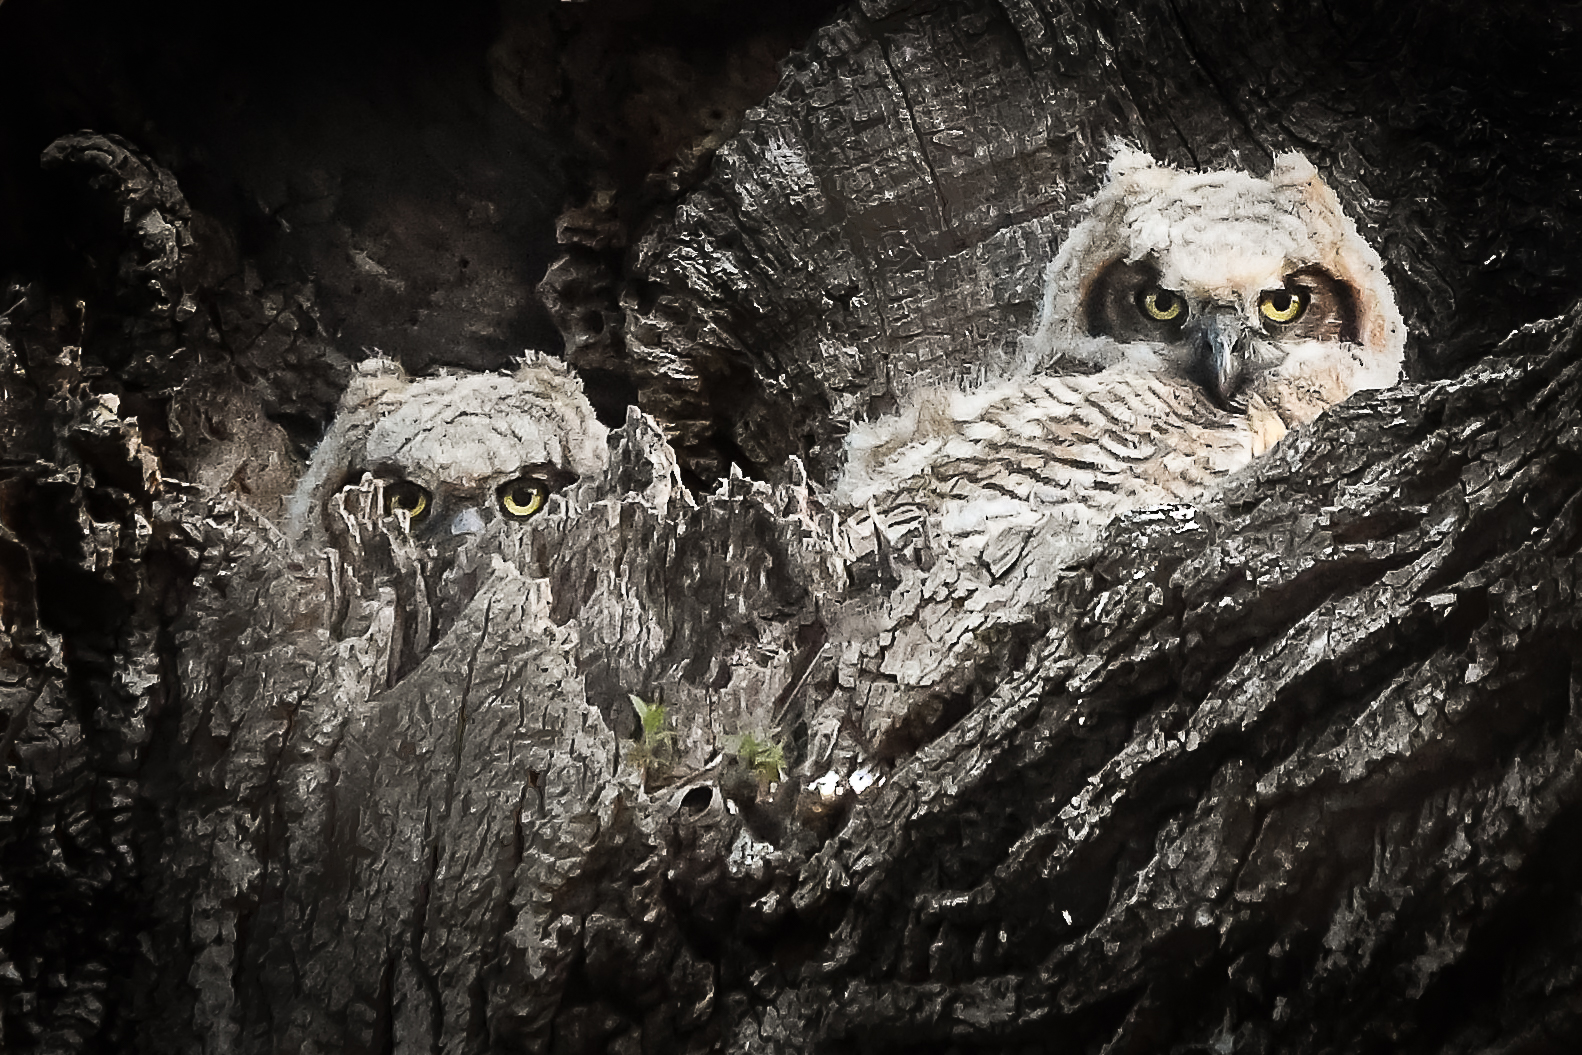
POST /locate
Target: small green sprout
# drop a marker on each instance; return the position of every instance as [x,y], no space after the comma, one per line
[764,758]
[652,717]
[655,743]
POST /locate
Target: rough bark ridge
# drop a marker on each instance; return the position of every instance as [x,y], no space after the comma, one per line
[1291,770]
[394,806]
[1297,750]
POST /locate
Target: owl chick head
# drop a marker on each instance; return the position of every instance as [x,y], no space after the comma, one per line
[455,452]
[1240,283]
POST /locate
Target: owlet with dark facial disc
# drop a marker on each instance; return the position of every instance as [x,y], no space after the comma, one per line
[456,452]
[1189,321]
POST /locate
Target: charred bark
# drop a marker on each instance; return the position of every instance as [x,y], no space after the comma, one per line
[1293,769]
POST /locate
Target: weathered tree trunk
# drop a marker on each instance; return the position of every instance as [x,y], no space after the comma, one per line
[1294,769]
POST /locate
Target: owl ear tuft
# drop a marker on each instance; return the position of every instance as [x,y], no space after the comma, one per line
[1291,170]
[1127,159]
[531,359]
[375,377]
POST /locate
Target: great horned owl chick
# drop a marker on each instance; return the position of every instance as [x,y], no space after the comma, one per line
[1188,322]
[1259,290]
[454,452]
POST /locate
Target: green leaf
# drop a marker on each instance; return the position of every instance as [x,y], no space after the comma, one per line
[762,756]
[651,717]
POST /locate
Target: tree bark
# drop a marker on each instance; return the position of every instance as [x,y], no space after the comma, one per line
[1291,769]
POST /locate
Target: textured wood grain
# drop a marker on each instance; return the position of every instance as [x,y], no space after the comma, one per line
[1292,769]
[1299,744]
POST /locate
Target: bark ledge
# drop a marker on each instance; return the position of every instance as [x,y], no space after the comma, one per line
[1293,769]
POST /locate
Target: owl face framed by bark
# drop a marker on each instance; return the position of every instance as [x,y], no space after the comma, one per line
[1189,320]
[454,454]
[1244,285]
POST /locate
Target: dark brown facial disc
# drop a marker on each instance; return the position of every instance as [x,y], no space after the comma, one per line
[404,494]
[1113,304]
[553,477]
[1331,313]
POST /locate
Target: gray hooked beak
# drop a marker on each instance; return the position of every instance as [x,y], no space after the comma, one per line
[1221,343]
[467,522]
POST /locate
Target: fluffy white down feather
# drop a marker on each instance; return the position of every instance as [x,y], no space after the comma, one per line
[1083,427]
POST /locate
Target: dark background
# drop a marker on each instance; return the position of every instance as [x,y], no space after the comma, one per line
[452,184]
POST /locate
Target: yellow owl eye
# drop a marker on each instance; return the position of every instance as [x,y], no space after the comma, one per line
[1161,305]
[1283,305]
[522,497]
[408,496]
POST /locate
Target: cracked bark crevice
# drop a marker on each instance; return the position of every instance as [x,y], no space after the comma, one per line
[1290,770]
[917,134]
[1226,97]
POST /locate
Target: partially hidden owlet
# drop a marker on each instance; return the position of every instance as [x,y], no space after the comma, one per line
[455,452]
[1188,322]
